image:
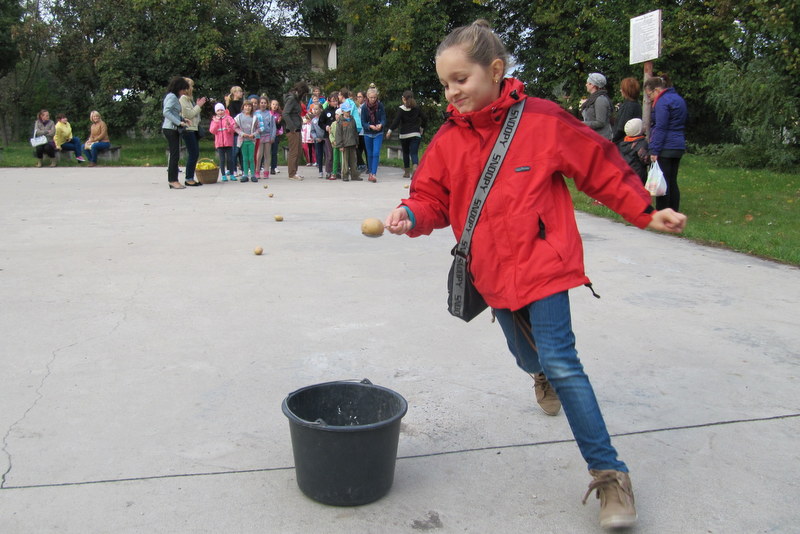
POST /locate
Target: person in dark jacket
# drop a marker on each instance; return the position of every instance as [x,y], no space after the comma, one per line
[633,148]
[326,119]
[629,109]
[667,140]
[411,122]
[293,123]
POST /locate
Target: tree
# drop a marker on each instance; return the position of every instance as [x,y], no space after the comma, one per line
[559,42]
[10,15]
[756,88]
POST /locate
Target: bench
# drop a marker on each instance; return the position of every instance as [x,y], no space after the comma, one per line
[110,154]
[394,151]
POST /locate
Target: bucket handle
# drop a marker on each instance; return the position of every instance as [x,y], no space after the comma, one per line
[366,381]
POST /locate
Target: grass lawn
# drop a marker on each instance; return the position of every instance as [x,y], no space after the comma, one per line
[749,211]
[755,212]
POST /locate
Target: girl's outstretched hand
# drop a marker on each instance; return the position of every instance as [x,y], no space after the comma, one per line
[398,222]
[668,220]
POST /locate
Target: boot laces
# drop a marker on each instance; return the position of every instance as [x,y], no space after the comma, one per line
[607,480]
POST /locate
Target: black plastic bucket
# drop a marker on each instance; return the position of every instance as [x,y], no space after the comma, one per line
[344,439]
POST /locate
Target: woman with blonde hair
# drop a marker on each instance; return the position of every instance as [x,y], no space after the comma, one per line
[190,111]
[98,137]
[373,119]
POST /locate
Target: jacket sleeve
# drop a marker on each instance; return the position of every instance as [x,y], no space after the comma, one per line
[396,120]
[659,131]
[429,194]
[598,169]
[167,110]
[214,126]
[188,110]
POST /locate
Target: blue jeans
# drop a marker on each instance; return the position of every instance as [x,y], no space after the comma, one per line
[192,152]
[99,146]
[74,145]
[410,147]
[274,154]
[551,330]
[373,144]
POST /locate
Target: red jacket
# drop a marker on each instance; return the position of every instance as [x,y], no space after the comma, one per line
[526,244]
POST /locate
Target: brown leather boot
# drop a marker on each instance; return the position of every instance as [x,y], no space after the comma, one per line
[615,492]
[406,173]
[545,395]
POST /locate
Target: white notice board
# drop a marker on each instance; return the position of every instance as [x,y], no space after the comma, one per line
[645,37]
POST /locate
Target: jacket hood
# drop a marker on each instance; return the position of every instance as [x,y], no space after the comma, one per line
[511,91]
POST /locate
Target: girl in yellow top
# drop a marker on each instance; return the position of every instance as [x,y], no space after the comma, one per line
[64,139]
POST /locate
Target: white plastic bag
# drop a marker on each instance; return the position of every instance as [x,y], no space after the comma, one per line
[656,185]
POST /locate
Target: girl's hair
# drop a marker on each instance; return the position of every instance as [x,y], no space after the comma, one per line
[345,92]
[177,84]
[95,112]
[334,94]
[409,96]
[372,90]
[39,115]
[478,41]
[630,88]
[60,116]
[236,89]
[661,81]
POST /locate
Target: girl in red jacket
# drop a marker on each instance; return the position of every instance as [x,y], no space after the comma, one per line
[526,251]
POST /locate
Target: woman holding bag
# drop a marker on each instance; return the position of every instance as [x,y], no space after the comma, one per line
[667,141]
[47,128]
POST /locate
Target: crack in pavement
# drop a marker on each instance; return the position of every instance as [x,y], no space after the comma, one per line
[39,397]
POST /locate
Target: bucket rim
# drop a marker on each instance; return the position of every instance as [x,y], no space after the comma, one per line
[293,418]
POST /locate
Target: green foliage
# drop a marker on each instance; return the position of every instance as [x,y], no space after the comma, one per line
[558,43]
[10,15]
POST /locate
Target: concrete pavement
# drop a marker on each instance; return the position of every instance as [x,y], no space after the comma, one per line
[145,351]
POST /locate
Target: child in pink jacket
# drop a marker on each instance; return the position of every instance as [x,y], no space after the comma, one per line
[223,128]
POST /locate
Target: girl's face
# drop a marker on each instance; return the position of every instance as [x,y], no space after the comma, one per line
[63,120]
[237,93]
[263,104]
[315,99]
[247,108]
[44,116]
[220,113]
[333,101]
[94,117]
[372,98]
[360,98]
[274,105]
[468,86]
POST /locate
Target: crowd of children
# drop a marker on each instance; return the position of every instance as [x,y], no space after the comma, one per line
[247,134]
